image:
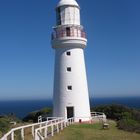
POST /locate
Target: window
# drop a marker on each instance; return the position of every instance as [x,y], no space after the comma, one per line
[68,31]
[69,69]
[69,87]
[58,16]
[68,53]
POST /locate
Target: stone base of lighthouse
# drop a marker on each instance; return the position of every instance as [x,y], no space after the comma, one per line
[71,97]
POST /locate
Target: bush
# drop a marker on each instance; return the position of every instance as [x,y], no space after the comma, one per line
[5,122]
[127,119]
[136,115]
[129,125]
[33,116]
[115,112]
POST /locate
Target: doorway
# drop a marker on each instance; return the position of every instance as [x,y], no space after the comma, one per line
[70,112]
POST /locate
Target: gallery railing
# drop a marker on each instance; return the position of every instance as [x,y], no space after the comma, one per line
[68,32]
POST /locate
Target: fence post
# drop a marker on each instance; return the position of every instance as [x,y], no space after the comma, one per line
[68,122]
[22,133]
[40,127]
[57,128]
[36,135]
[72,120]
[46,132]
[52,130]
[5,138]
[12,135]
[64,123]
[61,125]
[33,131]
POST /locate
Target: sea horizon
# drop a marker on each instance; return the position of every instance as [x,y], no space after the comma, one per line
[22,107]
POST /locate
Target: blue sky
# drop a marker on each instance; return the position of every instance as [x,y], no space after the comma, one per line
[27,59]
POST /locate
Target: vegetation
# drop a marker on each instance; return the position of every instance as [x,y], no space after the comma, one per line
[33,116]
[127,119]
[5,120]
[5,124]
[94,132]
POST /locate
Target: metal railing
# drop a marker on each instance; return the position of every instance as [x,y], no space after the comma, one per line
[68,32]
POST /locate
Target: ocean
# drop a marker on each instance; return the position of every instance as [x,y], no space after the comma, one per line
[22,108]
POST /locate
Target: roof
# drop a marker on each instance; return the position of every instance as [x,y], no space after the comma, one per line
[67,2]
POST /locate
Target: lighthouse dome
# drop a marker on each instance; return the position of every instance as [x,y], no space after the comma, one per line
[67,2]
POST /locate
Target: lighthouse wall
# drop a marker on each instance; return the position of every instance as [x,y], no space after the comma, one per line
[76,97]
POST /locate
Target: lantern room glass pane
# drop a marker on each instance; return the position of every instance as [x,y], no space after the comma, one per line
[58,16]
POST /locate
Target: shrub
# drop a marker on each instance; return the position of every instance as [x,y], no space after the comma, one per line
[127,119]
[113,111]
[4,125]
[33,116]
[5,122]
[129,125]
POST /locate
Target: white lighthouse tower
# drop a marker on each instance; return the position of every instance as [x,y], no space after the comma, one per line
[70,97]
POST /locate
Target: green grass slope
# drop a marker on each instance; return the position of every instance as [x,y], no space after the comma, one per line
[94,132]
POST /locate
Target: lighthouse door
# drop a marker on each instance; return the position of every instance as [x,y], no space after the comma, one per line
[70,112]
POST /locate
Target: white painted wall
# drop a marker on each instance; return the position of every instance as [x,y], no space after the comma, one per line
[78,97]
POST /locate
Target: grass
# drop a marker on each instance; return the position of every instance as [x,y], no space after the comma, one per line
[94,132]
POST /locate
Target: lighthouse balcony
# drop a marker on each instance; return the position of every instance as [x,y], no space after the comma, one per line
[69,36]
[73,31]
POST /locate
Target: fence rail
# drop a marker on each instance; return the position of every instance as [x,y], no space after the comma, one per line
[98,115]
[40,131]
[11,134]
[45,129]
[49,130]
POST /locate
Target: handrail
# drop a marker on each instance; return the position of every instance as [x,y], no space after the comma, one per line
[36,128]
[99,115]
[62,122]
[11,132]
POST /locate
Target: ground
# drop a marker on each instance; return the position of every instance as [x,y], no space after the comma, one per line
[94,132]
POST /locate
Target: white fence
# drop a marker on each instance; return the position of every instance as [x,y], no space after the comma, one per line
[43,130]
[54,127]
[98,116]
[33,128]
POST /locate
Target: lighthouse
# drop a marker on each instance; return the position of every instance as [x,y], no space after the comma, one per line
[70,93]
